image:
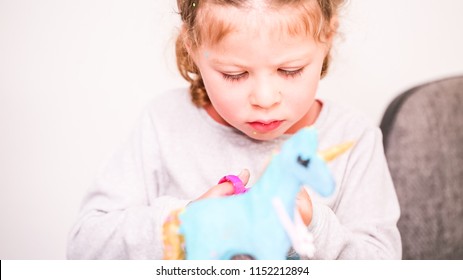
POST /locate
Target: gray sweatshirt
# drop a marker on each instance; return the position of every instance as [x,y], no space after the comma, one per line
[177,152]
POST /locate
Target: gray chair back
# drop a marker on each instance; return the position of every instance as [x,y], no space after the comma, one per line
[423,142]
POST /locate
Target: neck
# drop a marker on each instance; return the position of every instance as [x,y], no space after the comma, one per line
[308,119]
[214,115]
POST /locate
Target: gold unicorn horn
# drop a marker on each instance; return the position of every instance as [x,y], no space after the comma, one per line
[333,152]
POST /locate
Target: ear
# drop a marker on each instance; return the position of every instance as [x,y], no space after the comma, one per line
[334,25]
[185,40]
[188,44]
[179,2]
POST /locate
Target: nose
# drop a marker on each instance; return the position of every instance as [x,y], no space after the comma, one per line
[264,95]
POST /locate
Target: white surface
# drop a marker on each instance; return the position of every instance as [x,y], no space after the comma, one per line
[74,76]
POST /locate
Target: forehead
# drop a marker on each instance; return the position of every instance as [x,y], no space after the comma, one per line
[216,22]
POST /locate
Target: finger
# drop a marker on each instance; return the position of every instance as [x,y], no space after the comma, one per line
[244,176]
[304,205]
[225,189]
[303,195]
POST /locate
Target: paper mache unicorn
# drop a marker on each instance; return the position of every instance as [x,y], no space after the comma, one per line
[262,221]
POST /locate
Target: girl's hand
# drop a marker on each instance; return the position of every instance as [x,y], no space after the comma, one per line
[304,206]
[226,188]
[303,201]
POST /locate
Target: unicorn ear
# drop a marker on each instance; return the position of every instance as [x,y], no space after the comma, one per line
[307,140]
[303,142]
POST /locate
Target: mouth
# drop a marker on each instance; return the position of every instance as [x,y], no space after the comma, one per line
[265,126]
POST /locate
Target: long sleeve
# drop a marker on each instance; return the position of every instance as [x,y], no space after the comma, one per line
[122,215]
[362,223]
[178,152]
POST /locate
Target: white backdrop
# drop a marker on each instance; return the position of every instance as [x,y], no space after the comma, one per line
[74,76]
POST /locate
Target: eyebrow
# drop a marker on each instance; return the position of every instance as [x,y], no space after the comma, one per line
[302,58]
[225,63]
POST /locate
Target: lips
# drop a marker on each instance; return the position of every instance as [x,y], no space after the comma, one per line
[265,126]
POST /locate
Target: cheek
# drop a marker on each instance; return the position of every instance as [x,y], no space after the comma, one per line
[309,85]
[306,88]
[301,102]
[225,97]
[228,104]
[228,100]
[302,96]
[220,91]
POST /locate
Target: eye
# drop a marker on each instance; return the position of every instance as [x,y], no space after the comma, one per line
[291,73]
[234,77]
[303,162]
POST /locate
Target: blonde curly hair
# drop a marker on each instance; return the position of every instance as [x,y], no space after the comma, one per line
[316,17]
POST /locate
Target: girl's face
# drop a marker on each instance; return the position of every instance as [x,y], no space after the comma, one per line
[261,81]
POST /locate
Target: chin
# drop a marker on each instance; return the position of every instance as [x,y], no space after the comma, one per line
[263,136]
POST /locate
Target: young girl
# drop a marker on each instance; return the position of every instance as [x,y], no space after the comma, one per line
[254,68]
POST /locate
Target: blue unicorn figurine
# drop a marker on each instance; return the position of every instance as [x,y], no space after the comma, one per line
[248,224]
